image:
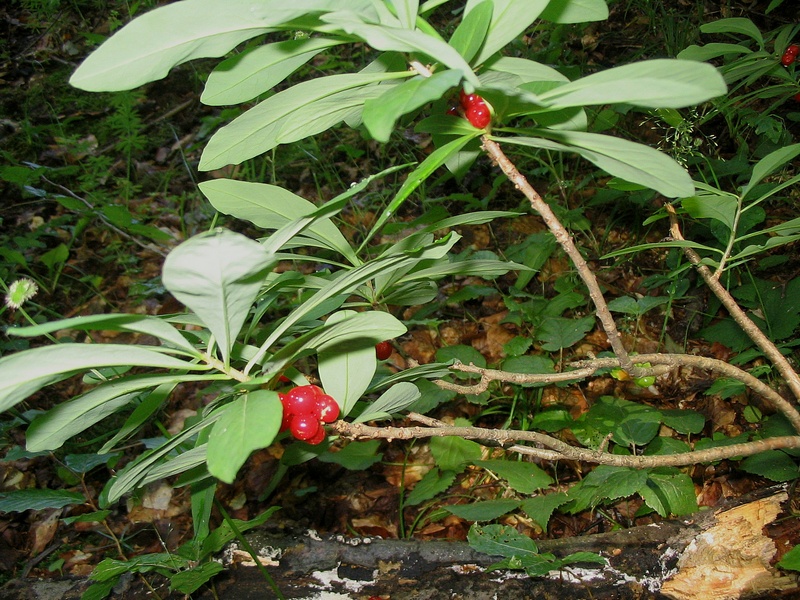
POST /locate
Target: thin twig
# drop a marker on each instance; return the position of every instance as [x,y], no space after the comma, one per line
[492,148]
[556,449]
[751,329]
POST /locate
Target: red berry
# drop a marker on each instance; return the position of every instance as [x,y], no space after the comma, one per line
[467,100]
[452,111]
[328,408]
[319,438]
[287,418]
[797,97]
[305,427]
[284,379]
[383,350]
[302,400]
[478,115]
[790,55]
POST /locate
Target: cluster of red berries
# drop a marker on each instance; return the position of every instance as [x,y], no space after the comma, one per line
[475,110]
[305,409]
[790,55]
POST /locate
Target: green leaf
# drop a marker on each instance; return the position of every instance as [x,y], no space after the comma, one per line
[32,499]
[529,364]
[660,83]
[145,324]
[454,453]
[346,372]
[683,421]
[509,19]
[791,560]
[711,51]
[99,590]
[26,372]
[575,11]
[261,127]
[522,477]
[605,483]
[433,483]
[772,464]
[223,534]
[669,492]
[769,164]
[50,430]
[272,207]
[486,510]
[721,208]
[403,40]
[356,456]
[630,161]
[190,580]
[738,25]
[249,423]
[218,276]
[406,11]
[381,113]
[500,540]
[470,34]
[150,45]
[398,397]
[243,77]
[540,508]
[560,332]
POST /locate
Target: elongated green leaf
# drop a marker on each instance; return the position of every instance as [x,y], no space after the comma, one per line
[403,40]
[273,207]
[769,164]
[425,169]
[51,429]
[433,483]
[470,34]
[367,328]
[120,322]
[26,372]
[406,11]
[711,51]
[737,25]
[346,372]
[245,76]
[137,470]
[31,499]
[149,46]
[575,11]
[218,276]
[661,83]
[501,540]
[249,423]
[258,130]
[509,19]
[630,161]
[398,397]
[381,113]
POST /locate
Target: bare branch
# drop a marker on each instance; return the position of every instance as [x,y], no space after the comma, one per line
[736,312]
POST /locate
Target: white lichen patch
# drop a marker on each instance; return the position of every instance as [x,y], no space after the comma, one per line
[328,578]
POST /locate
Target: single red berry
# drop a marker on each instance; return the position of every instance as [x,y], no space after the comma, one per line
[467,100]
[453,111]
[304,427]
[287,417]
[383,350]
[328,408]
[302,400]
[478,115]
[797,97]
[319,438]
[284,379]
